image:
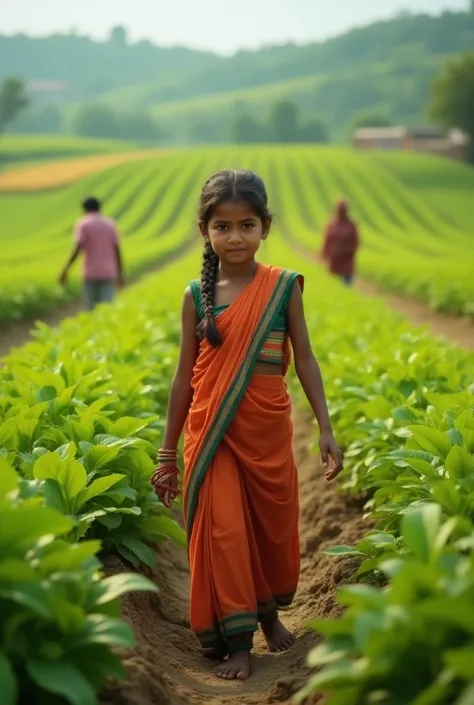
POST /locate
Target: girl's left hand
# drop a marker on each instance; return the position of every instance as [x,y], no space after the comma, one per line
[330,449]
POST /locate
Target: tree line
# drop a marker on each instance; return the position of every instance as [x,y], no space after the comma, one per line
[451,105]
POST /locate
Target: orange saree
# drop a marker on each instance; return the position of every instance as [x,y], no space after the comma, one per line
[240,486]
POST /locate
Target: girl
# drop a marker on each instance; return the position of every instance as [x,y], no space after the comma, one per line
[240,489]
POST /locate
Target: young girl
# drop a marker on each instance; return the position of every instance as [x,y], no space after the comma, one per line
[240,489]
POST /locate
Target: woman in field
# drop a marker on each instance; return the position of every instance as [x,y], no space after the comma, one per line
[240,489]
[340,245]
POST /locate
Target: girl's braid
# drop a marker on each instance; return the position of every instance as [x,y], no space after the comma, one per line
[210,265]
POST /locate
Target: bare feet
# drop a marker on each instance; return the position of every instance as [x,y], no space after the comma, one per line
[277,636]
[237,667]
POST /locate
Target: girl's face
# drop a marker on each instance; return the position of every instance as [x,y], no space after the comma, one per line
[235,232]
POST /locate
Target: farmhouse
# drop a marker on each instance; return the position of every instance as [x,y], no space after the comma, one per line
[454,144]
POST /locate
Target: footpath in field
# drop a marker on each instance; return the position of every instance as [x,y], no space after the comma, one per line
[456,330]
[167,668]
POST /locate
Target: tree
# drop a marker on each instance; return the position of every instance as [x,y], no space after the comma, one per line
[13,100]
[313,131]
[38,119]
[246,130]
[371,119]
[118,36]
[95,120]
[284,122]
[453,96]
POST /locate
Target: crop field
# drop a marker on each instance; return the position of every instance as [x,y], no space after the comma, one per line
[26,148]
[81,415]
[415,215]
[44,176]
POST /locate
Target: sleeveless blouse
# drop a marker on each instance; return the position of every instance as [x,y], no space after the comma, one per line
[272,350]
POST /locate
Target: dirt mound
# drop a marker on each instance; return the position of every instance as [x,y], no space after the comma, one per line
[166,667]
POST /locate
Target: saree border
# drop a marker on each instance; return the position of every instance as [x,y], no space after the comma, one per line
[231,626]
[234,396]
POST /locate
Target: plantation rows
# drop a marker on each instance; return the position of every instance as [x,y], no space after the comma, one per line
[409,245]
[81,414]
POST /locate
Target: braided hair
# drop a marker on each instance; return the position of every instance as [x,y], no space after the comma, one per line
[225,186]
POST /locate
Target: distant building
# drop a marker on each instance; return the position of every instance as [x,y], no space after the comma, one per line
[454,145]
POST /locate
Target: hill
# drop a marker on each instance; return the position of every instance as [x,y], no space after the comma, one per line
[386,67]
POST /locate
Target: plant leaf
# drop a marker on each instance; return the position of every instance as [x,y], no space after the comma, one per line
[62,678]
[97,487]
[8,681]
[420,528]
[118,585]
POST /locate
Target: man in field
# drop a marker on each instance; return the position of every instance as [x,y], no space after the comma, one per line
[97,238]
[340,245]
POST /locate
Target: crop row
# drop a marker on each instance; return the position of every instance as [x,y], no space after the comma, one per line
[153,199]
[82,412]
[409,246]
[402,405]
[49,175]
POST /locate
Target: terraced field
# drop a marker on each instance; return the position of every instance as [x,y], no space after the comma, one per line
[414,213]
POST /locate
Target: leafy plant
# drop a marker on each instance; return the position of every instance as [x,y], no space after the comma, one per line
[59,618]
[84,430]
[413,641]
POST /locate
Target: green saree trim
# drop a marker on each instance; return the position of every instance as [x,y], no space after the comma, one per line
[222,636]
[269,610]
[235,393]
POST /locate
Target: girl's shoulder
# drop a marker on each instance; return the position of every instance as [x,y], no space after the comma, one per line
[195,287]
[292,277]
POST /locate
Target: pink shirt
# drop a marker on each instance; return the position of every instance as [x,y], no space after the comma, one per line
[98,238]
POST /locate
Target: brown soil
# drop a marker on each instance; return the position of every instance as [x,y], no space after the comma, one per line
[14,335]
[166,667]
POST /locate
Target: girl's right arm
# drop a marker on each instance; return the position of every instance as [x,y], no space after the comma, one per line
[181,391]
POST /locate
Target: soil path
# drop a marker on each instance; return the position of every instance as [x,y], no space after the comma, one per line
[456,330]
[166,667]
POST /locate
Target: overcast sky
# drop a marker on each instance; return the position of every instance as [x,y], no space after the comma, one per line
[219,25]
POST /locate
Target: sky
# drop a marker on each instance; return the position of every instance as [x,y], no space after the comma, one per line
[223,26]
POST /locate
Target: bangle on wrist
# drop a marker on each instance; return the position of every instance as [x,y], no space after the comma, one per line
[167,455]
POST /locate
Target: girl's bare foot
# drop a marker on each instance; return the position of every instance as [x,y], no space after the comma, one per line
[236,667]
[277,636]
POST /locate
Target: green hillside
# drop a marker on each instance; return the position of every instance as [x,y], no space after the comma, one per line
[337,98]
[385,68]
